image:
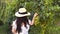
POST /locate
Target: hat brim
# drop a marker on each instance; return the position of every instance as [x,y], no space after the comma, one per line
[22,15]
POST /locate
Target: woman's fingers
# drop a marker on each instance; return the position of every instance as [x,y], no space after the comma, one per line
[35,14]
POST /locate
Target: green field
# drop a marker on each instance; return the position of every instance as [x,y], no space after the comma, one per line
[47,21]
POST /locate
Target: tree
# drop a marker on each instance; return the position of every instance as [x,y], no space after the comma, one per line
[48,11]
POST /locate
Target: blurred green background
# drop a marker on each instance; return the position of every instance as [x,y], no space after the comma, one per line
[47,22]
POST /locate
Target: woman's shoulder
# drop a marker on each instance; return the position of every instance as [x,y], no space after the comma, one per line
[14,22]
[29,20]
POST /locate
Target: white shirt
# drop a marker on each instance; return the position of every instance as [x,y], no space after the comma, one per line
[23,28]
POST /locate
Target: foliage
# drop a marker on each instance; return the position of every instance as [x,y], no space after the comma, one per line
[45,22]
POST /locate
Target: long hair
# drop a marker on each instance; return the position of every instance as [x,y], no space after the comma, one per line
[19,22]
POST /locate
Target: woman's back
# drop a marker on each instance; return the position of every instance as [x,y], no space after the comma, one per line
[23,28]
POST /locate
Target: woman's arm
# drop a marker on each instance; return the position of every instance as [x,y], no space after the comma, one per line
[13,31]
[32,22]
[13,27]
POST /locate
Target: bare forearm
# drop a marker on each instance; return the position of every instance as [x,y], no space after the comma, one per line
[13,31]
[33,20]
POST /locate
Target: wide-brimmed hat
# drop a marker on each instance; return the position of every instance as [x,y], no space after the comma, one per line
[22,12]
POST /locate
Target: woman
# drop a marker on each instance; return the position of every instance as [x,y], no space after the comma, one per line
[22,24]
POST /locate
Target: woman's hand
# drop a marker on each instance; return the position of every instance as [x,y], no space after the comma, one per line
[36,14]
[32,22]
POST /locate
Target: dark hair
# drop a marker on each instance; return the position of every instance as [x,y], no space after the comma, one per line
[19,22]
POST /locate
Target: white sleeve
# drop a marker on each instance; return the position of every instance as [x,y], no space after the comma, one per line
[29,21]
[14,25]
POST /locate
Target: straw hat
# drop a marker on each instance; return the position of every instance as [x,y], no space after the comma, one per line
[22,12]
